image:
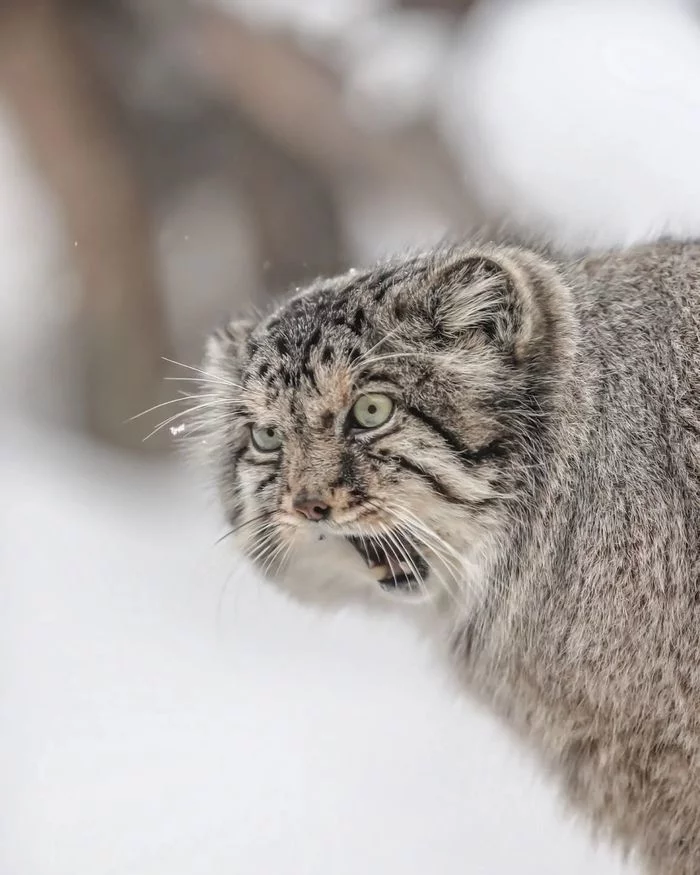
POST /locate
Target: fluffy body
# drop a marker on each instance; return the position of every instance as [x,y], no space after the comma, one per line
[543,461]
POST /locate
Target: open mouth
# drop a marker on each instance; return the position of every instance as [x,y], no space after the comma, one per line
[395,564]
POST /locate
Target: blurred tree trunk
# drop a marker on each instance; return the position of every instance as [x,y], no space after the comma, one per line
[67,118]
[298,105]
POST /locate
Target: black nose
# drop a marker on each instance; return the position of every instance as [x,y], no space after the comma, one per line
[312,508]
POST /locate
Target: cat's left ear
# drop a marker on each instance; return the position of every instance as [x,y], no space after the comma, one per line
[491,297]
[226,345]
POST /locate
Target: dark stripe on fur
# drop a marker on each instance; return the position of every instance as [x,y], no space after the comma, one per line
[266,482]
[251,460]
[235,458]
[468,457]
[376,377]
[372,438]
[434,482]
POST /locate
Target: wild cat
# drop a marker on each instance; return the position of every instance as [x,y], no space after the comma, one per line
[513,439]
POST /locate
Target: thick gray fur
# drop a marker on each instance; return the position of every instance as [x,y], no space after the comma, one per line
[544,458]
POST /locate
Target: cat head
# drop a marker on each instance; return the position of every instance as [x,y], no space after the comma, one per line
[374,434]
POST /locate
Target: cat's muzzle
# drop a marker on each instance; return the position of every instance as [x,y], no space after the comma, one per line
[395,563]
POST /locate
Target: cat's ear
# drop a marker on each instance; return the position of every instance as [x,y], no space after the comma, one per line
[226,344]
[489,297]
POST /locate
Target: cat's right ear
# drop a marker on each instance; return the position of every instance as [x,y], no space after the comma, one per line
[226,345]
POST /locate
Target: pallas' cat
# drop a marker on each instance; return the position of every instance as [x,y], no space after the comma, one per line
[513,439]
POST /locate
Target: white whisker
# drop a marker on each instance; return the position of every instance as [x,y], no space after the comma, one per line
[201,381]
[180,414]
[213,377]
[183,397]
[435,544]
[407,558]
[382,340]
[281,550]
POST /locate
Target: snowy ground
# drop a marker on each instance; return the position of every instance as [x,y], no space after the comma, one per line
[146,728]
[149,724]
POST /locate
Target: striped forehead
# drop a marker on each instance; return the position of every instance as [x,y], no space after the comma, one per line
[313,375]
[320,374]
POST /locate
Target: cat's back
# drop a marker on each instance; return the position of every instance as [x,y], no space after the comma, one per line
[639,309]
[664,274]
[604,656]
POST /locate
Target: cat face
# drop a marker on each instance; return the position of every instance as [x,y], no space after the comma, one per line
[365,436]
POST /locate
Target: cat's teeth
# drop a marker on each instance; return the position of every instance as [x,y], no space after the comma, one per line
[397,568]
[386,571]
[380,571]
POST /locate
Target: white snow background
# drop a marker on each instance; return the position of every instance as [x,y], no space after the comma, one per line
[150,725]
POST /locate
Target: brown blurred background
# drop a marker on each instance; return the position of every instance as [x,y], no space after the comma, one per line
[203,158]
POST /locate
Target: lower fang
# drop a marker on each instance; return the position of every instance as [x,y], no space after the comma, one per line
[397,568]
[380,572]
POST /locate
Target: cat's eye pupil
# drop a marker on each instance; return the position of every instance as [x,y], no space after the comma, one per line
[372,408]
[270,432]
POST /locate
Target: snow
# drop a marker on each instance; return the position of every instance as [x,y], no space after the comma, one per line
[148,726]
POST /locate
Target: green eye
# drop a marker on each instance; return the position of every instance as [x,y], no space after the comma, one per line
[372,410]
[266,439]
